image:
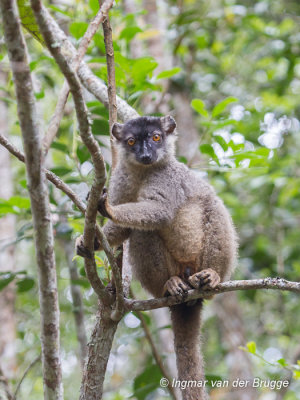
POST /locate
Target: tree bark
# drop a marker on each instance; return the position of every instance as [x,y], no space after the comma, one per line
[38,192]
[99,349]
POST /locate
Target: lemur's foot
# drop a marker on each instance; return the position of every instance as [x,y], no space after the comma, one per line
[205,279]
[81,250]
[175,286]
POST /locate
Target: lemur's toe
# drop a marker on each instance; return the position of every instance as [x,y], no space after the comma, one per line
[175,286]
[205,279]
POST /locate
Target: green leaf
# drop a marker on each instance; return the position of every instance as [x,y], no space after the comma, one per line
[28,20]
[20,202]
[61,171]
[57,9]
[220,107]
[251,346]
[77,29]
[146,382]
[222,142]
[81,282]
[6,279]
[168,73]
[208,149]
[61,147]
[25,284]
[199,106]
[129,32]
[143,67]
[297,374]
[282,362]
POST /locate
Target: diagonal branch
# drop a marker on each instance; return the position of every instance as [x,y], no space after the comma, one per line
[69,192]
[38,191]
[266,283]
[49,175]
[92,83]
[54,45]
[63,96]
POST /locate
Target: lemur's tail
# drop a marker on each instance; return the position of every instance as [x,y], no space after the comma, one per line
[186,322]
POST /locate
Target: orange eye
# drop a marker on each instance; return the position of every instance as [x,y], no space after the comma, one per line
[156,137]
[131,141]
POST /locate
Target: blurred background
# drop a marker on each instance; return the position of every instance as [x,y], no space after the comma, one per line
[229,72]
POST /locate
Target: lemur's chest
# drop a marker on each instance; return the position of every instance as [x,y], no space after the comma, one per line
[125,188]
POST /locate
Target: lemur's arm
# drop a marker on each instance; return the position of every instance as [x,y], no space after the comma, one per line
[115,235]
[148,214]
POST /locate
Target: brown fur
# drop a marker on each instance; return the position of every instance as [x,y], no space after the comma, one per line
[180,233]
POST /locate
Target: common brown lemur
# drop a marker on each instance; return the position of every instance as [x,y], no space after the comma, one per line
[180,234]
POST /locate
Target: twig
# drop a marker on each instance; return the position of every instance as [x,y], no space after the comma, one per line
[267,283]
[31,365]
[38,191]
[87,137]
[88,79]
[63,96]
[155,353]
[57,52]
[69,192]
[112,107]
[95,86]
[111,83]
[49,175]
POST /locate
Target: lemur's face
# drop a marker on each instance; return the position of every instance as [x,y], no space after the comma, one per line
[144,140]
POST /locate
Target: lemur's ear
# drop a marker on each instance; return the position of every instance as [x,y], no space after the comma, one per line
[117,130]
[168,124]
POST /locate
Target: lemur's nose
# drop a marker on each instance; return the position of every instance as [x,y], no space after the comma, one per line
[146,159]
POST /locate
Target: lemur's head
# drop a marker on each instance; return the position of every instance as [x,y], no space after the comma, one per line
[146,140]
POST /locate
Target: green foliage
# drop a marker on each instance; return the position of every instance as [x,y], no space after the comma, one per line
[146,382]
[28,20]
[237,65]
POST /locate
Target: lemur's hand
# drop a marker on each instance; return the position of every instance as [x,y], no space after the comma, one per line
[102,204]
[81,250]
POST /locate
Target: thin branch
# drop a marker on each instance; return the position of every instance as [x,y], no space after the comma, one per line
[52,42]
[49,175]
[31,365]
[267,283]
[49,34]
[63,96]
[69,192]
[112,107]
[111,84]
[95,86]
[38,191]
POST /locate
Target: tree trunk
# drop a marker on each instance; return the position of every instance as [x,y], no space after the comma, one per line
[99,349]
